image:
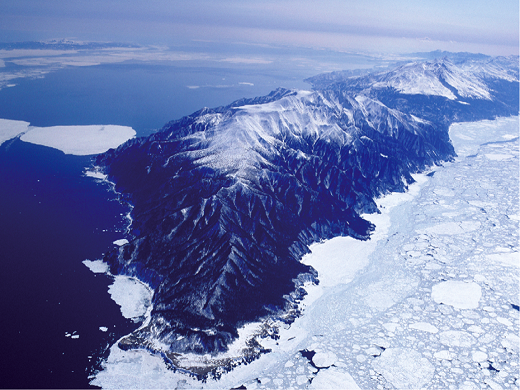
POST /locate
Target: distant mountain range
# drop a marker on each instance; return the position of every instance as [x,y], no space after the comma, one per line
[226,201]
[62,44]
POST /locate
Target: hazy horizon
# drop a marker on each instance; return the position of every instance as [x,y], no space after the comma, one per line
[375,27]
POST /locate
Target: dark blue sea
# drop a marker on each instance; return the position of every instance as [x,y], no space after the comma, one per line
[144,97]
[51,219]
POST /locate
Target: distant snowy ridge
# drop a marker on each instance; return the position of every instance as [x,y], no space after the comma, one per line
[440,77]
[228,200]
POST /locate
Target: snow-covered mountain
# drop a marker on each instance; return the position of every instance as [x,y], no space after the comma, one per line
[226,201]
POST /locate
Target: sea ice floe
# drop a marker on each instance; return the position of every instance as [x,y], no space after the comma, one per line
[479,356]
[510,259]
[120,242]
[324,359]
[404,368]
[11,128]
[79,140]
[96,266]
[444,355]
[333,379]
[458,294]
[457,338]
[131,295]
[103,329]
[95,174]
[424,326]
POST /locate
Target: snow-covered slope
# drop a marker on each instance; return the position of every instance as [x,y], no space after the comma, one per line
[228,200]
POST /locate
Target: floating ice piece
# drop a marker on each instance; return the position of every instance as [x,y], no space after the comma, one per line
[75,336]
[424,326]
[79,140]
[120,242]
[324,359]
[504,321]
[511,259]
[131,295]
[96,266]
[95,174]
[479,356]
[443,355]
[491,383]
[10,129]
[457,338]
[333,379]
[458,294]
[405,368]
[391,326]
[511,342]
[103,329]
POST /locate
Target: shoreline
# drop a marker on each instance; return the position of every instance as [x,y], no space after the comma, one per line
[362,281]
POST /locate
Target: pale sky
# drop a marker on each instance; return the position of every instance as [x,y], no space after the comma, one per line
[398,26]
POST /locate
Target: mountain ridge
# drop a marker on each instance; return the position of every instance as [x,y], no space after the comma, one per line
[227,200]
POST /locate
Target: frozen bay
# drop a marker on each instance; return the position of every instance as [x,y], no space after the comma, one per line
[435,306]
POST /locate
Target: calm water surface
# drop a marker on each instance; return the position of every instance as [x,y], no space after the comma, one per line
[51,219]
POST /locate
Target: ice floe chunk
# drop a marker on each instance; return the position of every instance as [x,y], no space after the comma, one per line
[458,294]
[96,266]
[120,242]
[457,338]
[103,329]
[424,326]
[443,355]
[511,342]
[333,379]
[80,140]
[11,128]
[479,356]
[511,259]
[404,368]
[95,174]
[324,359]
[131,295]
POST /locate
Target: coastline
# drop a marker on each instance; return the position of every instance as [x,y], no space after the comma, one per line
[362,287]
